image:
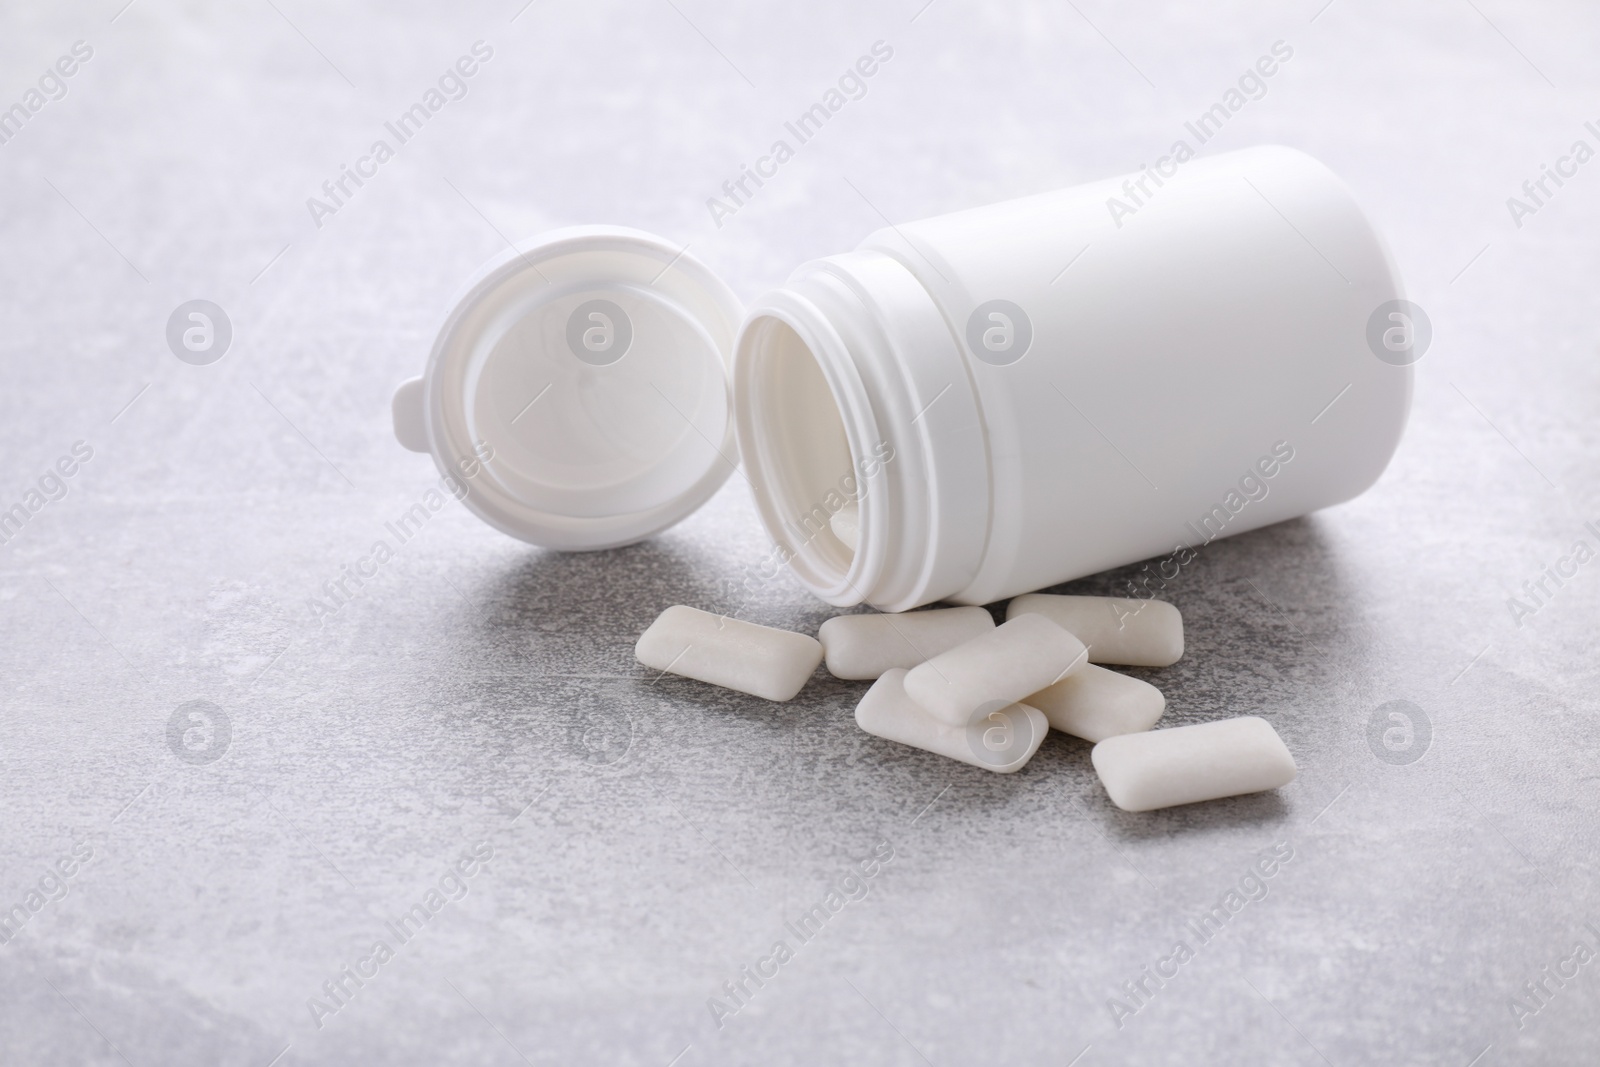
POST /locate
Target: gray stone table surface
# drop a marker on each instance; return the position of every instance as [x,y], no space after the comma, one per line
[601,853]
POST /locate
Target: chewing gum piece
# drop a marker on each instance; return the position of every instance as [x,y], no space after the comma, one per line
[862,647]
[1003,741]
[759,660]
[1094,704]
[1125,630]
[1020,657]
[846,525]
[1187,764]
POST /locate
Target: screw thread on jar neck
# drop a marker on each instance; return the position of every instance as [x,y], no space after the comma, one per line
[833,374]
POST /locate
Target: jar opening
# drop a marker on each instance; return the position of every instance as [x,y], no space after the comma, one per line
[800,461]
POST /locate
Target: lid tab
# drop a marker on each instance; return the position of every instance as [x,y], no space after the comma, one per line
[410,421]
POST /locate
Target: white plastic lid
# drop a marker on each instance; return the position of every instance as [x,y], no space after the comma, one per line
[579,389]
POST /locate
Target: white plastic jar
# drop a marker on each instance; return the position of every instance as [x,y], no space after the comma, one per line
[1063,394]
[1004,398]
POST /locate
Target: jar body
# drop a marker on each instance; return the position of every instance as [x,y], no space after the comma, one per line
[1129,369]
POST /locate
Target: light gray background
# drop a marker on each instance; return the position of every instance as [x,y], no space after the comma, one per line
[652,837]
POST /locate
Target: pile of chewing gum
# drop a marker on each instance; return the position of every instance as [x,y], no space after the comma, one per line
[951,682]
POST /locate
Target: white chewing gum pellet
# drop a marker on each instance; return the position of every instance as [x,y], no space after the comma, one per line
[1020,657]
[862,647]
[1094,704]
[759,660]
[846,525]
[1125,630]
[1164,768]
[1003,742]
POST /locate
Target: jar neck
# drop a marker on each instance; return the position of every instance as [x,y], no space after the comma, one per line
[850,390]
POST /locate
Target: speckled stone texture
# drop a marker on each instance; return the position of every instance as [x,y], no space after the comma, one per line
[649,838]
